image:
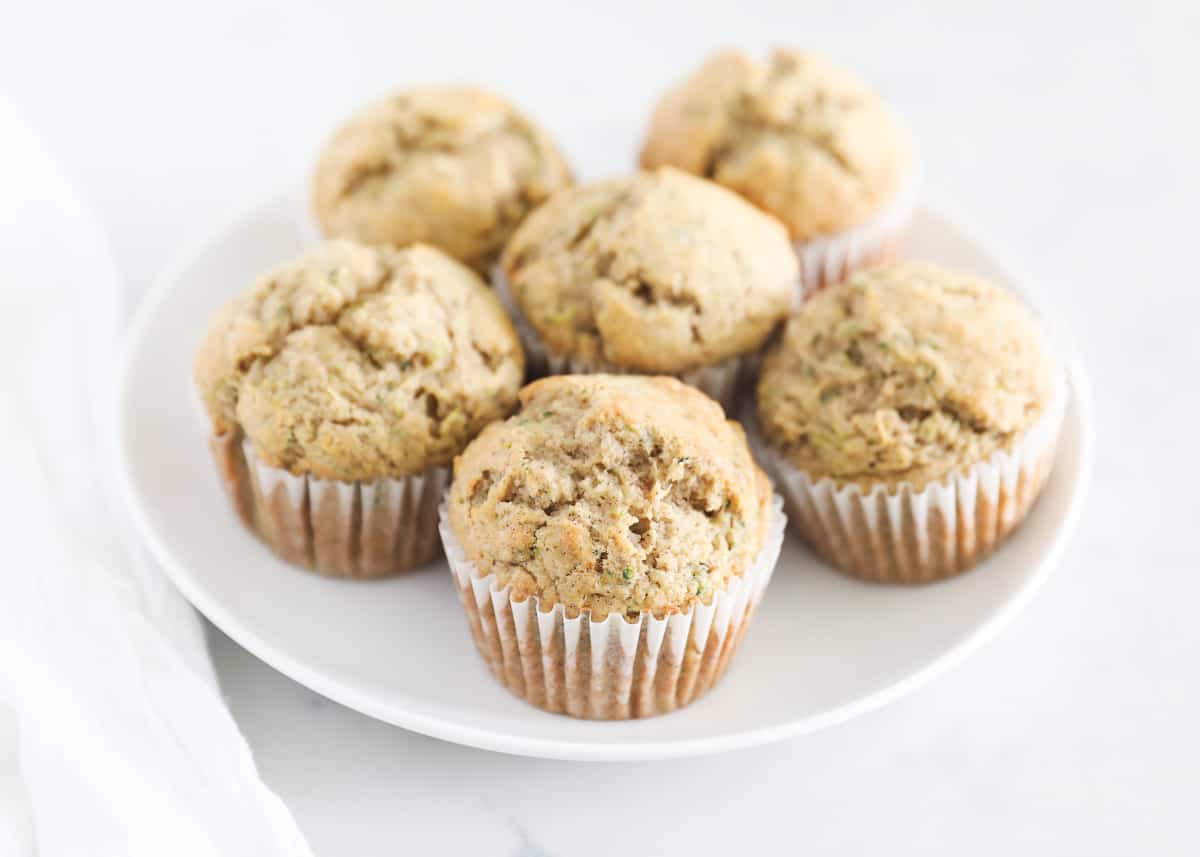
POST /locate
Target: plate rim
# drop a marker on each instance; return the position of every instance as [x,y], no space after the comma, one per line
[554,748]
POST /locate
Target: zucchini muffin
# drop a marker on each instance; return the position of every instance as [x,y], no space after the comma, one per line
[911,414]
[455,167]
[339,389]
[657,273]
[803,140]
[610,541]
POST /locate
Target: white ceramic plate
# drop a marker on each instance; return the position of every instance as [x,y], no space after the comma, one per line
[822,649]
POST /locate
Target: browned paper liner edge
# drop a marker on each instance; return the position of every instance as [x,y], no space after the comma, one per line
[613,669]
[911,536]
[342,529]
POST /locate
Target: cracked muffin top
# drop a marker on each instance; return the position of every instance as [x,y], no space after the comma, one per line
[797,136]
[454,167]
[611,493]
[904,373]
[359,363]
[658,272]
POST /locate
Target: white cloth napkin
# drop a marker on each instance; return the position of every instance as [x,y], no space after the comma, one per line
[114,739]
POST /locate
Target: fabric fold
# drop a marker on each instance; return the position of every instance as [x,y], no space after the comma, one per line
[125,744]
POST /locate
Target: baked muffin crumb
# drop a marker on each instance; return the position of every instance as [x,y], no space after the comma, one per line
[796,135]
[905,373]
[452,166]
[660,272]
[611,493]
[359,363]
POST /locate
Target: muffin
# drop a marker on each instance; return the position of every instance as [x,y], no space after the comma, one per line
[340,388]
[911,416]
[455,167]
[660,273]
[803,140]
[610,542]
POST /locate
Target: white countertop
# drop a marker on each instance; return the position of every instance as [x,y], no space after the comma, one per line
[1071,134]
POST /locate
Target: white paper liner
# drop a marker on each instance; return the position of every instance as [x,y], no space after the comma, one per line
[341,529]
[614,669]
[721,381]
[911,536]
[535,363]
[831,258]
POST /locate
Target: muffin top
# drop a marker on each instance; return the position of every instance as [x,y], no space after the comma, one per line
[611,493]
[797,137]
[358,363]
[905,373]
[455,167]
[658,272]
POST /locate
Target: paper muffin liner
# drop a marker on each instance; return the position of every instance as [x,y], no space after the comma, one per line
[615,669]
[831,258]
[721,381]
[916,536]
[341,529]
[535,363]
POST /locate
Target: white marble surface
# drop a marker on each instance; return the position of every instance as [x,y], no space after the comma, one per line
[1068,130]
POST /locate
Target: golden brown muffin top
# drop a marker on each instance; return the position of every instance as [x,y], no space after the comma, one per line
[453,166]
[657,272]
[611,493]
[358,363]
[796,136]
[905,373]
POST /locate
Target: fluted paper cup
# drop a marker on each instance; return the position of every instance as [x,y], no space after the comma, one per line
[615,669]
[341,529]
[721,381]
[906,535]
[832,258]
[535,360]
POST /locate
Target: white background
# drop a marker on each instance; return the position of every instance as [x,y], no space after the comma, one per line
[1070,131]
